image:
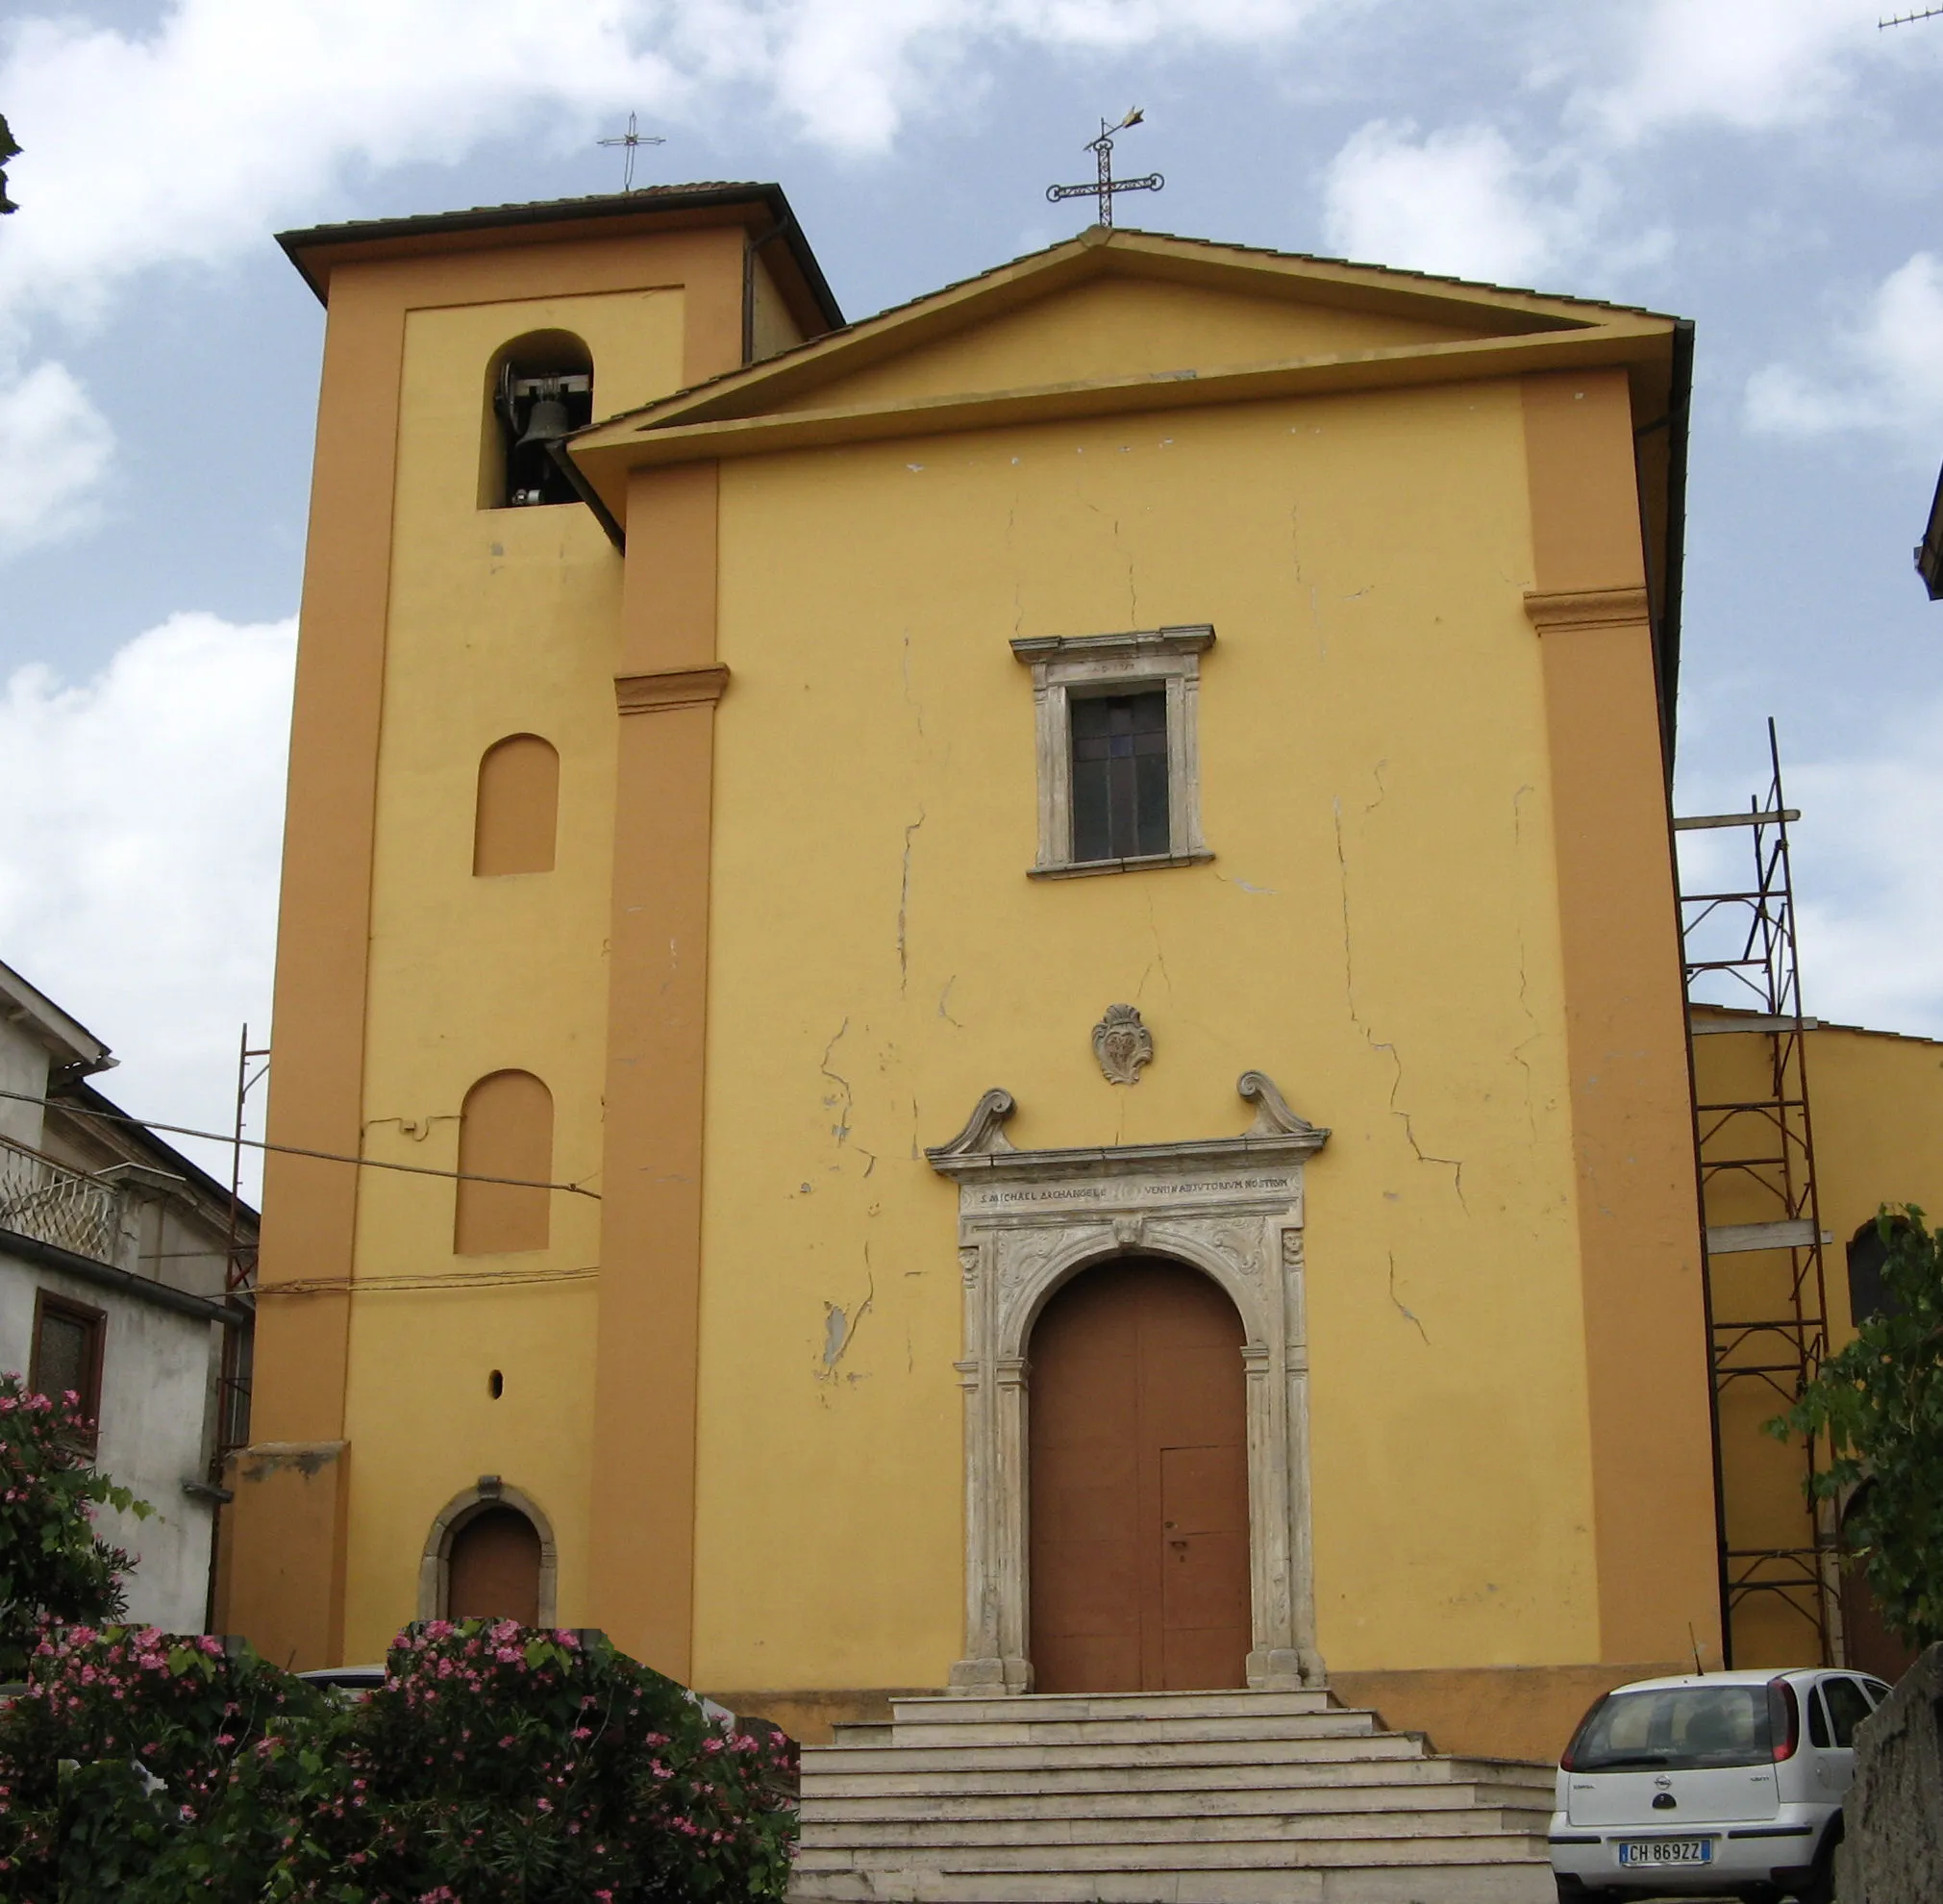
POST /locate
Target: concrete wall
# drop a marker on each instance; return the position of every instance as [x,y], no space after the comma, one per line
[156,1368]
[23,1068]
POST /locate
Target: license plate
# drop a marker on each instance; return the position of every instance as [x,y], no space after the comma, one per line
[1665,1851]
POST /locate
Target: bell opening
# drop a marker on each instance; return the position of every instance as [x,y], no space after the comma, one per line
[542,391]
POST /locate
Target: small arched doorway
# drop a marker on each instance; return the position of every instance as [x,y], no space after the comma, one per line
[493,1568]
[1138,1441]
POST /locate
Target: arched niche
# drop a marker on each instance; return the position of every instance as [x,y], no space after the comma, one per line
[489,1495]
[1031,1220]
[550,368]
[515,819]
[504,1131]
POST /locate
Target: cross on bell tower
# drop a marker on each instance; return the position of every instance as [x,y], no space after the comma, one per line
[631,142]
[1104,189]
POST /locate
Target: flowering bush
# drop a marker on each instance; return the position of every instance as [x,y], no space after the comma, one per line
[51,1565]
[497,1765]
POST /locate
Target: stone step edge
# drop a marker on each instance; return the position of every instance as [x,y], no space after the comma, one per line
[1436,1769]
[992,1807]
[1515,1851]
[1037,1706]
[1177,1827]
[1021,1712]
[892,1760]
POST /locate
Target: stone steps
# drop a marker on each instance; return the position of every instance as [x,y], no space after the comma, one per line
[1161,1798]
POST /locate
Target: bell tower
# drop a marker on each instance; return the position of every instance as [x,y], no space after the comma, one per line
[461,610]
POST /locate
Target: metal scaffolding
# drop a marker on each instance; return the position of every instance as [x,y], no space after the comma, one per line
[239,1273]
[1767,1306]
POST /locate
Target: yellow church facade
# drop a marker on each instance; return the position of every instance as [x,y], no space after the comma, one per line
[946,839]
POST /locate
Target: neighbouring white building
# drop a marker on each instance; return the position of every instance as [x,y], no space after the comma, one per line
[114,1259]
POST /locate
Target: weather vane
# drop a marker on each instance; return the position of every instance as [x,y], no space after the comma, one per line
[1102,148]
[632,142]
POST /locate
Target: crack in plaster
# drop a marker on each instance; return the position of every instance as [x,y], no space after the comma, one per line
[840,1130]
[904,906]
[943,1002]
[1406,1313]
[911,699]
[1454,1165]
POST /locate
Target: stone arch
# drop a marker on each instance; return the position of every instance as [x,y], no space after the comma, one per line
[1089,1252]
[515,815]
[435,1564]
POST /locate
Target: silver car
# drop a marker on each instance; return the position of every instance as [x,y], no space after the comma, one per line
[1715,1784]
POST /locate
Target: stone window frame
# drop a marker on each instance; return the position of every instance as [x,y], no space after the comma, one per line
[1029,1221]
[434,1565]
[1069,665]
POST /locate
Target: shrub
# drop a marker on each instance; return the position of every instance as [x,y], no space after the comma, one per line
[1880,1402]
[497,1765]
[52,1567]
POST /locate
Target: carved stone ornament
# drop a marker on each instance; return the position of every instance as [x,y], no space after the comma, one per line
[1230,1207]
[1122,1044]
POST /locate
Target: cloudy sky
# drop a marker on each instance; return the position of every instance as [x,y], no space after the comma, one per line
[1768,168]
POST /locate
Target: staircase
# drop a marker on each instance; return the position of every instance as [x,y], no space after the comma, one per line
[1162,1798]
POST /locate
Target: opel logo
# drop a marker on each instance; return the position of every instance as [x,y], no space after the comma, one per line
[1664,1783]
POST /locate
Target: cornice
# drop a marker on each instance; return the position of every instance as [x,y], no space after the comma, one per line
[608,453]
[1585,608]
[671,688]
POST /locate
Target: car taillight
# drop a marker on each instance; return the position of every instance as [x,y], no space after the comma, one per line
[1579,1732]
[1785,1719]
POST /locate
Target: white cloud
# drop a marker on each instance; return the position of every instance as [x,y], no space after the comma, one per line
[1457,202]
[1751,64]
[1872,923]
[55,448]
[139,863]
[187,142]
[1883,372]
[1868,896]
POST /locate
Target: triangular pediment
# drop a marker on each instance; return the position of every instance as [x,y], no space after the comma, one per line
[1110,322]
[1119,325]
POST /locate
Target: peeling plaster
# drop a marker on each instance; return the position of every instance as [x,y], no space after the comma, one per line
[839,1328]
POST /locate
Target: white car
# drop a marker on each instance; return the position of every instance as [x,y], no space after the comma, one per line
[1716,1784]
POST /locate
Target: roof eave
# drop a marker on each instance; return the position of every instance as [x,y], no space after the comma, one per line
[316,250]
[65,1038]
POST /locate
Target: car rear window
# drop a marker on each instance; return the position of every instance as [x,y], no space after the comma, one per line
[1679,1728]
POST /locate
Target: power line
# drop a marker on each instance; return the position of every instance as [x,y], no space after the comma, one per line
[69,1109]
[383,1285]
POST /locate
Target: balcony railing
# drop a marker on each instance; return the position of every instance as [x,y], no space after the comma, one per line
[47,1201]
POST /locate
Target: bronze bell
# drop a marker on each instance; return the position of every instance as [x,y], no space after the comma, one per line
[546,422]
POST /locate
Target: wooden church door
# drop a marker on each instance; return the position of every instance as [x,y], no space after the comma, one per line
[493,1568]
[1138,1484]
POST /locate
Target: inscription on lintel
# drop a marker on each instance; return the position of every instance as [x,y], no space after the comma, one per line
[1115,1192]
